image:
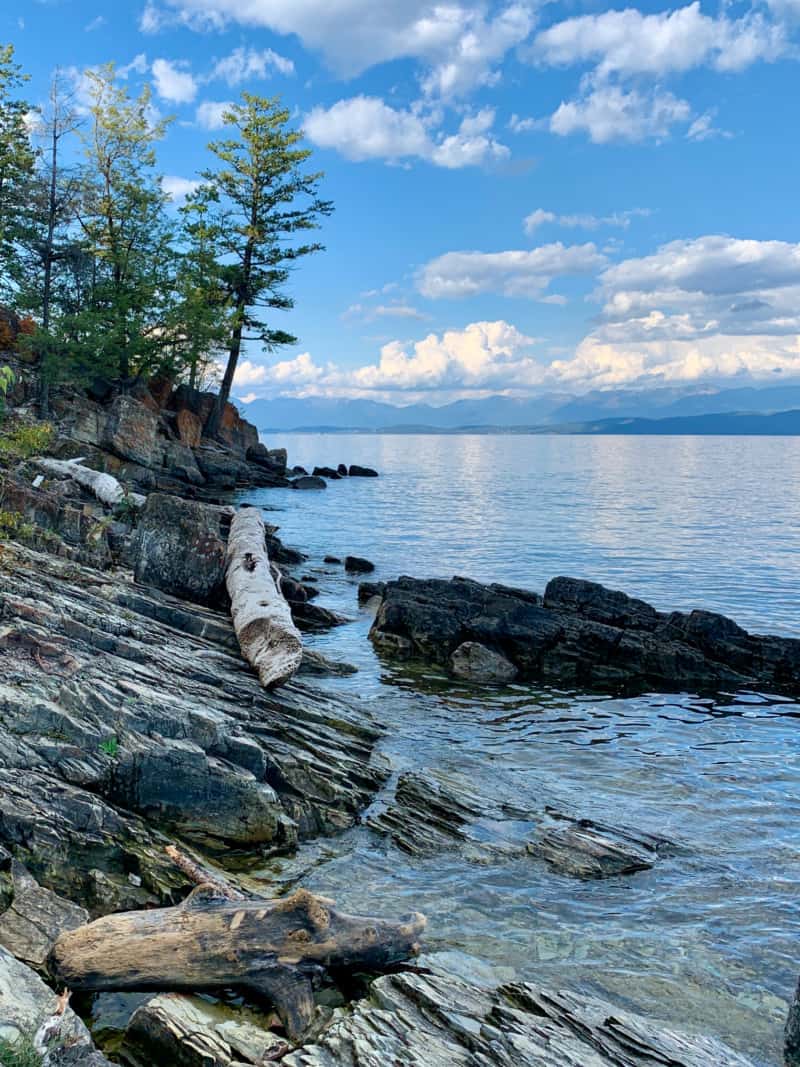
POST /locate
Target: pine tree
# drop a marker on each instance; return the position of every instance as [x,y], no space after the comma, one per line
[259,199]
[47,236]
[16,161]
[128,232]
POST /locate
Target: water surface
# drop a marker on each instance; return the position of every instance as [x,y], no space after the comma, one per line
[708,938]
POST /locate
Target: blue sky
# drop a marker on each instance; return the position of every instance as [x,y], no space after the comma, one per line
[529,197]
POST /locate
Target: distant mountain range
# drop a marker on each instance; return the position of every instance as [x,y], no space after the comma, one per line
[663,410]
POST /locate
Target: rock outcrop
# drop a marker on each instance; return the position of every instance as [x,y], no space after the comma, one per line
[578,634]
[436,1020]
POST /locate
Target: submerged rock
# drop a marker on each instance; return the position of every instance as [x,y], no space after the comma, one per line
[358,565]
[580,634]
[586,849]
[308,481]
[436,1020]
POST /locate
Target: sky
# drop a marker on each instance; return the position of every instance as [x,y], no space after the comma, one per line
[530,197]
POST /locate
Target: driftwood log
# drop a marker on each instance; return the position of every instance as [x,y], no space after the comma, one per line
[104,486]
[267,636]
[269,948]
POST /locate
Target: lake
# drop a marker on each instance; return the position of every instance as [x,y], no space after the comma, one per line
[707,939]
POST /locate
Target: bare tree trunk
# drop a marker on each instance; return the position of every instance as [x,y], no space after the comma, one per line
[267,636]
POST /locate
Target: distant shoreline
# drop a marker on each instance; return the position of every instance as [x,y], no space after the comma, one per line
[726,424]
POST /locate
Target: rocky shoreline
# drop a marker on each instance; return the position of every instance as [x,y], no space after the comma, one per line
[130,724]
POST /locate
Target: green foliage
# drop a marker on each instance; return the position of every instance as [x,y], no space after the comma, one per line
[14,526]
[110,746]
[26,440]
[260,205]
[16,158]
[19,1053]
[6,381]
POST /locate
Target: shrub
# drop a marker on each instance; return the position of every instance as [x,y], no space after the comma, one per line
[26,440]
[110,746]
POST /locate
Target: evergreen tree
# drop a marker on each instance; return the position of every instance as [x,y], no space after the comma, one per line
[47,236]
[128,232]
[16,161]
[260,201]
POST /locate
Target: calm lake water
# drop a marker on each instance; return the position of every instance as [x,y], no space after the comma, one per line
[708,939]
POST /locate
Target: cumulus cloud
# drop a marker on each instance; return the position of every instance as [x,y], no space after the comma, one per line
[609,113]
[631,43]
[177,188]
[244,64]
[541,217]
[210,114]
[173,82]
[707,286]
[516,273]
[457,41]
[365,127]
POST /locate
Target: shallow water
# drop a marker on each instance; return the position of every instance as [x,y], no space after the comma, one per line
[706,940]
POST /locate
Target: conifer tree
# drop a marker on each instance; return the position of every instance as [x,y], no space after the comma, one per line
[262,204]
[16,161]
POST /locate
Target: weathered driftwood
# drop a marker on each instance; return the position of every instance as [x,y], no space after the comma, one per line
[271,948]
[104,486]
[267,636]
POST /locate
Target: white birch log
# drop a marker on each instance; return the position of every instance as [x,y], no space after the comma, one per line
[104,486]
[267,636]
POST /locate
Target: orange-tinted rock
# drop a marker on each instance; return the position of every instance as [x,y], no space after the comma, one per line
[190,428]
[161,390]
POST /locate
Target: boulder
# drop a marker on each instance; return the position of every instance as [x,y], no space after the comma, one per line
[189,1031]
[331,559]
[237,432]
[189,427]
[180,463]
[326,472]
[358,565]
[474,662]
[580,634]
[131,431]
[160,389]
[35,917]
[308,481]
[222,470]
[341,470]
[361,472]
[31,1019]
[179,546]
[274,459]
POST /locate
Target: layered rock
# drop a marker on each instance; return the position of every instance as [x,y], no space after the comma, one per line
[436,1020]
[128,719]
[578,634]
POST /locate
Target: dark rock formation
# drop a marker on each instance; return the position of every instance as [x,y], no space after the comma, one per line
[436,1020]
[331,559]
[358,565]
[341,470]
[308,481]
[326,472]
[586,849]
[361,472]
[791,1048]
[179,546]
[580,634]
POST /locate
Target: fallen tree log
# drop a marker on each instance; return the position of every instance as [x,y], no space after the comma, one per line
[267,636]
[269,948]
[104,486]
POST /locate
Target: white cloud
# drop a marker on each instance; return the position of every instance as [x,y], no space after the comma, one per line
[247,63]
[609,113]
[517,273]
[517,124]
[364,127]
[95,24]
[540,217]
[210,114]
[138,65]
[629,42]
[177,188]
[173,82]
[708,286]
[459,43]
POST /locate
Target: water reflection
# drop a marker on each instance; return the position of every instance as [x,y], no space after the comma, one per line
[708,937]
